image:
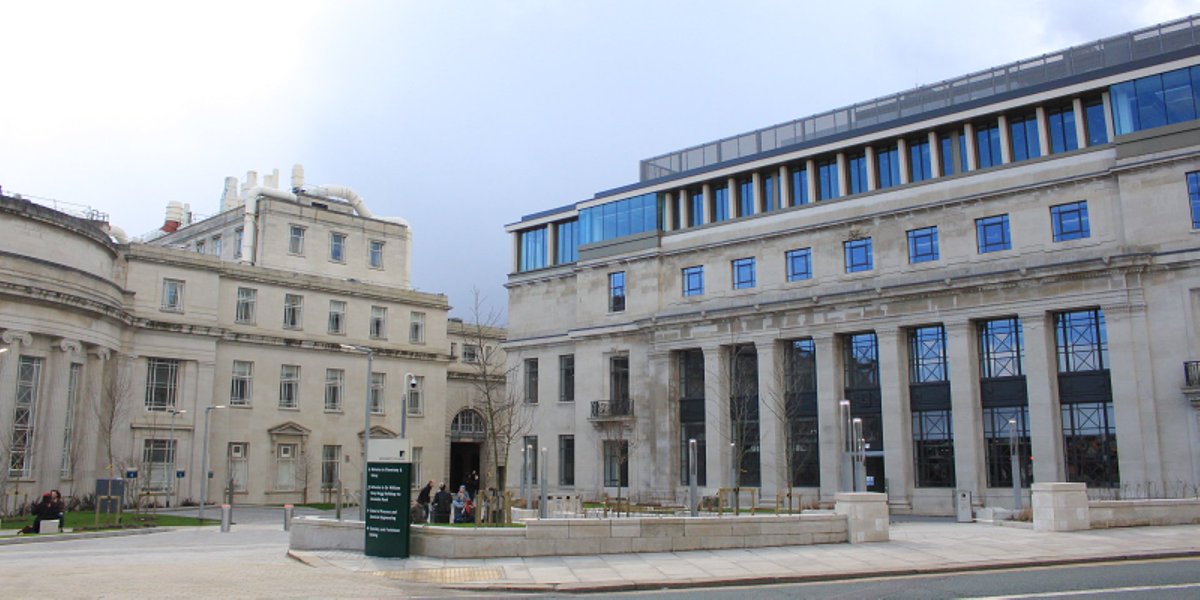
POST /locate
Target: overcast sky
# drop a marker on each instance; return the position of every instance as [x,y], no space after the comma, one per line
[460,116]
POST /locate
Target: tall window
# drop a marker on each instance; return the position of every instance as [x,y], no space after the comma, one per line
[927,355]
[920,165]
[533,249]
[693,281]
[416,394]
[335,380]
[375,258]
[239,470]
[1061,125]
[216,245]
[29,385]
[1070,221]
[285,466]
[1082,342]
[296,240]
[416,327]
[745,197]
[1000,349]
[566,460]
[744,414]
[933,448]
[239,235]
[887,161]
[531,380]
[470,353]
[289,386]
[987,145]
[376,394]
[720,207]
[946,153]
[247,298]
[1085,395]
[929,392]
[161,380]
[998,424]
[330,467]
[378,322]
[568,242]
[743,273]
[691,412]
[530,448]
[293,311]
[697,200]
[800,186]
[566,378]
[616,291]
[770,194]
[1097,127]
[616,463]
[239,387]
[922,245]
[158,456]
[856,165]
[1193,187]
[992,235]
[337,316]
[800,397]
[1023,135]
[337,247]
[201,247]
[172,295]
[418,455]
[69,425]
[861,377]
[618,385]
[858,255]
[827,179]
[799,264]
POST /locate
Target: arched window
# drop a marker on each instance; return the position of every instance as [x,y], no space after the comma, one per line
[467,424]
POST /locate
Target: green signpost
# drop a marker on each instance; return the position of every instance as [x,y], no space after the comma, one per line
[389,486]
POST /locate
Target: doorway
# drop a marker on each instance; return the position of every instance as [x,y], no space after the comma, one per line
[873,466]
[464,458]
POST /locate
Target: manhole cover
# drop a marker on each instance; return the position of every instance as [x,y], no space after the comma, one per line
[444,575]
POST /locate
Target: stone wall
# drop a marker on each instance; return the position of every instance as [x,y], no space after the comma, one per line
[1136,513]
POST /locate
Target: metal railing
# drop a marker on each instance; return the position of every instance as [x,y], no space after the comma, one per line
[1109,52]
[604,409]
[1191,373]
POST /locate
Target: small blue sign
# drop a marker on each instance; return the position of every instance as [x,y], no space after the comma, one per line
[130,473]
[179,474]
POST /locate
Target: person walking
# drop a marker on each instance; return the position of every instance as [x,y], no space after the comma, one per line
[423,498]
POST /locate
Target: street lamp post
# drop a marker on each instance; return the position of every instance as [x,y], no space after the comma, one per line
[410,384]
[204,459]
[859,456]
[1015,458]
[362,501]
[171,484]
[846,427]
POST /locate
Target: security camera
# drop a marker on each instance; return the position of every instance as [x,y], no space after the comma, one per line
[412,381]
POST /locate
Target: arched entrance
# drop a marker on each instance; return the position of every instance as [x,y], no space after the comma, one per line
[467,433]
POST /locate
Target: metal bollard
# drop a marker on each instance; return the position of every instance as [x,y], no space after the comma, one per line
[226,517]
[288,509]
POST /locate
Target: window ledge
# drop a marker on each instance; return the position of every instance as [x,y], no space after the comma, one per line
[289,408]
[241,406]
[333,411]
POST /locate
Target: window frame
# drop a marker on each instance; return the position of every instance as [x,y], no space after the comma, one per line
[296,240]
[241,383]
[566,378]
[337,246]
[693,281]
[1059,215]
[919,236]
[294,310]
[792,260]
[337,317]
[377,330]
[172,295]
[415,397]
[416,327]
[743,273]
[245,310]
[167,386]
[616,292]
[375,254]
[1192,180]
[289,386]
[335,389]
[985,228]
[376,396]
[859,248]
[531,380]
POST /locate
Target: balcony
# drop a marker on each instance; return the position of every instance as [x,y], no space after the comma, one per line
[608,410]
[1191,382]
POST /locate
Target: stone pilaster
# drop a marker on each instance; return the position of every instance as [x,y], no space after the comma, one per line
[1139,446]
[965,408]
[1080,122]
[1005,140]
[1045,419]
[829,393]
[716,417]
[772,418]
[897,418]
[969,143]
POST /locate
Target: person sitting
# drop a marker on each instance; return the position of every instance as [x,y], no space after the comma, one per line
[49,508]
[460,503]
[442,502]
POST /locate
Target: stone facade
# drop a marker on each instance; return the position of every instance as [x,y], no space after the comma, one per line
[1020,254]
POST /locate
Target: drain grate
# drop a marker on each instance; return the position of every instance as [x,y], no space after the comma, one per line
[444,575]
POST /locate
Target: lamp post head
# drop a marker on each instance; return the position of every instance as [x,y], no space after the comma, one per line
[844,403]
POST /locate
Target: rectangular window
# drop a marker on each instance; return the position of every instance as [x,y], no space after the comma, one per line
[29,385]
[379,322]
[827,179]
[1097,127]
[927,355]
[416,397]
[216,245]
[1082,341]
[1155,100]
[946,142]
[991,233]
[337,247]
[1193,187]
[286,456]
[858,255]
[416,327]
[201,247]
[296,240]
[691,413]
[693,281]
[238,236]
[856,164]
[1070,221]
[330,472]
[800,408]
[172,295]
[743,273]
[987,145]
[1000,348]
[618,385]
[337,316]
[616,291]
[933,448]
[246,300]
[239,460]
[532,248]
[417,456]
[770,194]
[620,218]
[377,396]
[158,456]
[566,378]
[745,197]
[1090,444]
[531,381]
[239,387]
[568,242]
[375,258]
[470,353]
[161,381]
[69,425]
[697,199]
[289,386]
[530,448]
[887,162]
[1061,125]
[920,166]
[1023,137]
[720,208]
[800,186]
[799,264]
[566,460]
[999,422]
[922,245]
[963,167]
[616,463]
[335,379]
[293,311]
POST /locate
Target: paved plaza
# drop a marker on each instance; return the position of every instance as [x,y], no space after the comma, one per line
[252,561]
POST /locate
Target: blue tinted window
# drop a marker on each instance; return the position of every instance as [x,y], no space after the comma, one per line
[799,264]
[1151,110]
[922,245]
[857,166]
[693,281]
[1177,95]
[1070,221]
[800,187]
[888,162]
[745,197]
[1061,125]
[743,273]
[963,167]
[1193,185]
[992,234]
[1024,137]
[697,215]
[720,208]
[987,146]
[1124,107]
[827,180]
[1000,348]
[947,145]
[770,194]
[1097,130]
[533,249]
[1155,100]
[927,355]
[568,242]
[1082,343]
[620,218]
[616,291]
[919,167]
[858,255]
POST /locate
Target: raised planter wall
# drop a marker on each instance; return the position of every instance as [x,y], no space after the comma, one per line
[1135,513]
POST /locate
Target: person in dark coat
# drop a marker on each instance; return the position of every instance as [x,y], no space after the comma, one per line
[49,508]
[473,484]
[423,498]
[442,501]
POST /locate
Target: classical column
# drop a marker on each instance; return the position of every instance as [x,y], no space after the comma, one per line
[668,211]
[902,154]
[1139,446]
[897,418]
[1041,379]
[772,419]
[552,243]
[657,418]
[872,169]
[1043,132]
[935,155]
[1080,122]
[95,372]
[1005,140]
[969,141]
[843,181]
[707,204]
[756,187]
[785,188]
[829,393]
[732,197]
[810,168]
[685,208]
[516,251]
[1109,126]
[716,417]
[966,412]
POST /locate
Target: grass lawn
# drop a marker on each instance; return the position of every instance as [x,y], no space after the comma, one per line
[82,521]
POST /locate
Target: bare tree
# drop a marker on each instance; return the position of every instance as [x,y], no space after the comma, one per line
[113,403]
[493,391]
[619,433]
[304,470]
[790,401]
[739,377]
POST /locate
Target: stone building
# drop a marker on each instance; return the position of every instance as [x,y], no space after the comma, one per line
[258,319]
[1011,251]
